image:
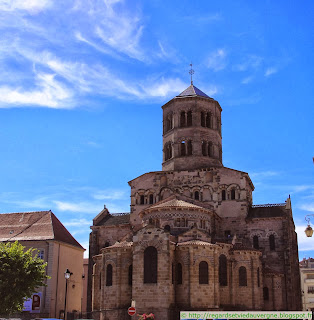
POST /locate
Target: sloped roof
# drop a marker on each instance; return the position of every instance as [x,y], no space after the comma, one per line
[114,220]
[175,203]
[267,211]
[193,91]
[197,242]
[38,225]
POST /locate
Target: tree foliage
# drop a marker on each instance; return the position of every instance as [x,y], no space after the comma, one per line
[21,273]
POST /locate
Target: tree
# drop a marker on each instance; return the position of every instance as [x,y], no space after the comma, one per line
[21,273]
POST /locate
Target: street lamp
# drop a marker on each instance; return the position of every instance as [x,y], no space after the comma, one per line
[308,231]
[67,275]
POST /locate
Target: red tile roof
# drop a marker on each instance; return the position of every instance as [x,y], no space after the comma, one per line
[39,225]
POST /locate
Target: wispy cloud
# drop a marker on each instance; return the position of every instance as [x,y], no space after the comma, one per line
[85,207]
[78,223]
[270,71]
[247,80]
[217,60]
[251,62]
[110,195]
[307,207]
[264,174]
[32,6]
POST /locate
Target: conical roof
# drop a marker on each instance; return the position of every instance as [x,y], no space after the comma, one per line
[193,91]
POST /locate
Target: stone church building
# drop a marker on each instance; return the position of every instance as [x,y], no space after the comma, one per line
[193,239]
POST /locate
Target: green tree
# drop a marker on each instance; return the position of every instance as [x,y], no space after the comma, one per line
[21,273]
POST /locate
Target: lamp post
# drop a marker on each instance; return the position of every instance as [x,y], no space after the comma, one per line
[308,231]
[67,275]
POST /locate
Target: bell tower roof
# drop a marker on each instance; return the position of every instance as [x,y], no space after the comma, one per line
[193,91]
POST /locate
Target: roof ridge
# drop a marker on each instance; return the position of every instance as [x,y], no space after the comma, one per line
[25,212]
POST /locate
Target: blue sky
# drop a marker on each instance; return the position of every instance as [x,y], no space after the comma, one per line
[82,83]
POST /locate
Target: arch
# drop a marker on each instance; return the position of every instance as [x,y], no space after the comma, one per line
[179,273]
[272,244]
[223,272]
[242,277]
[183,151]
[167,227]
[265,294]
[130,274]
[203,121]
[196,195]
[189,119]
[142,199]
[189,147]
[203,272]
[223,195]
[182,119]
[150,265]
[109,275]
[255,242]
[208,120]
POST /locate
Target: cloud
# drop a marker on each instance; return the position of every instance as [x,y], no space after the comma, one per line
[32,6]
[109,195]
[307,207]
[78,223]
[217,60]
[250,62]
[48,93]
[264,174]
[247,80]
[85,207]
[270,71]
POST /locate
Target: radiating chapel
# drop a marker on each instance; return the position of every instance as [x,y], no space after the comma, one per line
[193,239]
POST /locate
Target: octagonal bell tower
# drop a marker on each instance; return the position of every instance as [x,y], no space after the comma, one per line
[191,131]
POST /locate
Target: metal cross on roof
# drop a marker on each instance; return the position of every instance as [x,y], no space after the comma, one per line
[191,72]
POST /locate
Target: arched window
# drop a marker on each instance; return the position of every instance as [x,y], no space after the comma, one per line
[242,277]
[265,294]
[109,275]
[130,274]
[182,119]
[255,242]
[204,143]
[208,120]
[167,228]
[272,244]
[232,194]
[179,273]
[189,148]
[189,118]
[151,199]
[142,199]
[107,244]
[100,280]
[223,270]
[210,149]
[258,278]
[170,150]
[203,272]
[183,153]
[150,265]
[223,195]
[196,195]
[203,119]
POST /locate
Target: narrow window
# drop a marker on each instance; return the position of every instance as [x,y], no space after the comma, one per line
[242,277]
[189,118]
[223,270]
[255,242]
[179,273]
[142,199]
[109,276]
[196,195]
[167,228]
[265,294]
[100,280]
[232,194]
[170,150]
[208,120]
[130,274]
[203,119]
[182,119]
[189,148]
[203,272]
[107,244]
[151,199]
[150,265]
[258,279]
[272,245]
[227,234]
[209,149]
[183,153]
[204,148]
[223,195]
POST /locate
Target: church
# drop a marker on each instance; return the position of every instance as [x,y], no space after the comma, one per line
[193,239]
